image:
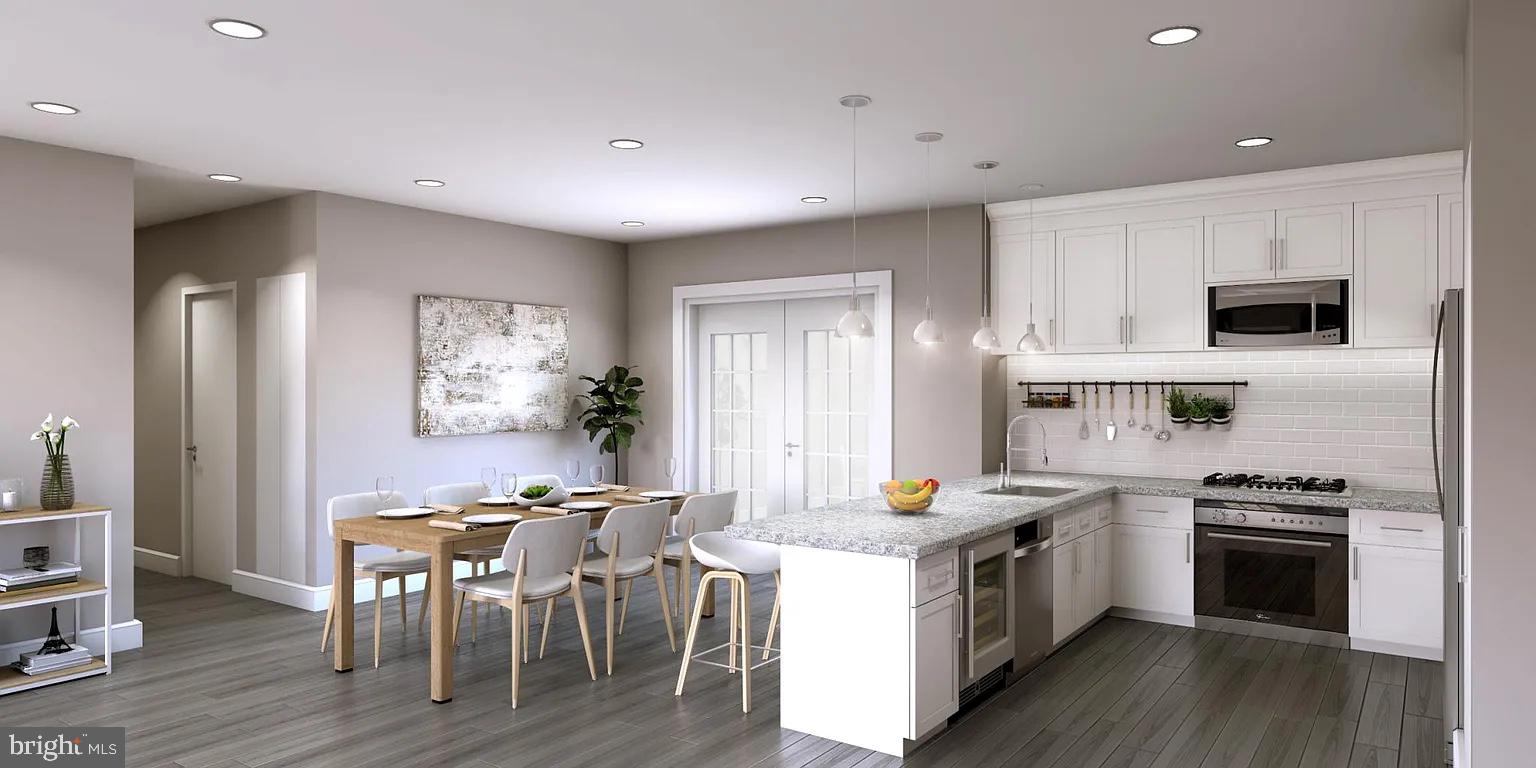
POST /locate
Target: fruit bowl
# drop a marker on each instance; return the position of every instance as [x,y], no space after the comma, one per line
[910,496]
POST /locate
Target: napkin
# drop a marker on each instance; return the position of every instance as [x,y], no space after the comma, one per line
[634,499]
[453,525]
[612,487]
[446,509]
[550,510]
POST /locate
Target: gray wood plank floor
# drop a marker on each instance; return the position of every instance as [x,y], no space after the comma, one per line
[228,681]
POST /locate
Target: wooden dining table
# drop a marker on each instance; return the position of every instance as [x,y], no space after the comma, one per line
[442,544]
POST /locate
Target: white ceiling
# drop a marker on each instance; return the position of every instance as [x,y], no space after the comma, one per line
[512,103]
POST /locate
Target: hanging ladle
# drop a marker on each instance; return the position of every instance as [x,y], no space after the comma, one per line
[1163,434]
[1146,407]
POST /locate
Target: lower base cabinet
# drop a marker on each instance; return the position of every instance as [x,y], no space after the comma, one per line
[1394,598]
[1080,581]
[935,662]
[1154,569]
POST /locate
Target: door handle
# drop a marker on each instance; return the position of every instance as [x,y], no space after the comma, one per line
[789,450]
[192,452]
[1273,540]
[1189,546]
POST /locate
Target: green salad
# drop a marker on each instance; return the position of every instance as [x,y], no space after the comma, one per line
[536,491]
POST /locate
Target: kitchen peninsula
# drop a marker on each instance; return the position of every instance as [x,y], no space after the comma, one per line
[880,614]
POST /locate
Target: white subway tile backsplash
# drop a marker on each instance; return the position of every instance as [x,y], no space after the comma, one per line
[1360,414]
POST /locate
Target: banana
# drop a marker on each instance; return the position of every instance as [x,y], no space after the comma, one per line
[913,498]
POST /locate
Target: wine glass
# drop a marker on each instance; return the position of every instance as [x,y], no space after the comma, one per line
[573,470]
[508,484]
[595,474]
[384,486]
[670,468]
[488,479]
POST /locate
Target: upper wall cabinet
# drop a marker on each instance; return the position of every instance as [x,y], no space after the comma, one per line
[1453,246]
[1287,244]
[1090,289]
[1164,305]
[1020,276]
[1396,272]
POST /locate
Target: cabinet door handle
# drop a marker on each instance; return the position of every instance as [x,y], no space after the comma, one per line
[959,608]
[1282,253]
[1077,558]
[1356,564]
[1271,254]
[1189,546]
[1122,329]
[1053,333]
[1405,530]
[1132,325]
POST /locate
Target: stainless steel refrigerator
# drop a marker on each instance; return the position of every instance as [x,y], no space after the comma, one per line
[1448,361]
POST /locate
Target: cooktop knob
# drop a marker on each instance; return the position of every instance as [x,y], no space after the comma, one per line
[1242,518]
[1219,516]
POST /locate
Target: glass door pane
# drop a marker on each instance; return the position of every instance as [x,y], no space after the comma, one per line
[741,403]
[827,403]
[990,623]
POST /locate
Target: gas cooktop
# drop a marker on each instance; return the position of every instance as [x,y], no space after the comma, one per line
[1293,484]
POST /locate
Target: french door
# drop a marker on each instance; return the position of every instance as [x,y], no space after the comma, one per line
[784,405]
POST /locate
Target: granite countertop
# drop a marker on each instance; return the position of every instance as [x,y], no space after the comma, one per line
[960,514]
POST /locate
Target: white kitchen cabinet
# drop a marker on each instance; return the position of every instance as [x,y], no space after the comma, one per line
[1395,289]
[1154,569]
[1090,289]
[1103,570]
[1314,242]
[935,662]
[1240,247]
[1063,578]
[1453,245]
[1019,276]
[1395,601]
[1165,301]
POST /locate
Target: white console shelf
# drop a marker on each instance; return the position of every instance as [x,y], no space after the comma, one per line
[12,681]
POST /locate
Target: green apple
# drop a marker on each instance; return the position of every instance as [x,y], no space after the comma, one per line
[909,486]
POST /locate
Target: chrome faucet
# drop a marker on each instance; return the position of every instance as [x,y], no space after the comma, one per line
[1045,458]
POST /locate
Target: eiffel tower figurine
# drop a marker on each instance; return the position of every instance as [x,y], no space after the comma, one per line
[55,642]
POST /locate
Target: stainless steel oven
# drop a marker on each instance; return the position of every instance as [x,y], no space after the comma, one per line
[1283,565]
[986,590]
[1309,313]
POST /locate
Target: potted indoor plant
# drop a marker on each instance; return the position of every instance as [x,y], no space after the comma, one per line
[58,487]
[1200,411]
[1221,412]
[1178,408]
[612,411]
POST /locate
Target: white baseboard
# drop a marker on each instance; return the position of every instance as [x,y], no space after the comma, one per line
[1154,616]
[126,636]
[157,561]
[319,598]
[1397,649]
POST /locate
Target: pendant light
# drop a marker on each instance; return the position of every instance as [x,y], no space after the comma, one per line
[854,323]
[1031,341]
[928,332]
[985,338]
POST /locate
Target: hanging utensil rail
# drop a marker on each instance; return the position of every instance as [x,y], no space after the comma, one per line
[1056,386]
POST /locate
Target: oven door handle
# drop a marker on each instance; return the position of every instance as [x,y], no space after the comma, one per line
[1272,540]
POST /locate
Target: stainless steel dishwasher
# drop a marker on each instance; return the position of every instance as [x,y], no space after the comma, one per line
[1031,594]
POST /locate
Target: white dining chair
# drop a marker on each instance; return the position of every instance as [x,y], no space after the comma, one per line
[733,561]
[460,495]
[628,547]
[545,555]
[703,513]
[372,560]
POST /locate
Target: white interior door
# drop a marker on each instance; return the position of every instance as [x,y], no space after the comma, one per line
[784,405]
[828,396]
[210,412]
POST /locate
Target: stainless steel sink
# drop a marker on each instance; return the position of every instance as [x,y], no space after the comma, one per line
[1042,491]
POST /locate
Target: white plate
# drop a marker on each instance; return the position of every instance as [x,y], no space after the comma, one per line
[404,513]
[585,506]
[496,501]
[664,494]
[492,518]
[585,490]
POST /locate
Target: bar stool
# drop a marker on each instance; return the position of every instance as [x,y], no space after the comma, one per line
[734,560]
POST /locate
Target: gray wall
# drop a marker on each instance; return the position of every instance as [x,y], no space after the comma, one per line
[66,261]
[239,246]
[1501,119]
[936,392]
[375,259]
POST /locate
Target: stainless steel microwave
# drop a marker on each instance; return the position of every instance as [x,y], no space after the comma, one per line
[1300,314]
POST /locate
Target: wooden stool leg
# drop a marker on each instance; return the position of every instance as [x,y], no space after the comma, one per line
[693,633]
[773,618]
[746,644]
[426,600]
[581,621]
[735,627]
[330,611]
[629,584]
[378,614]
[549,618]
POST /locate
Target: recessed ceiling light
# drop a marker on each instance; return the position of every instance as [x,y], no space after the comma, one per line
[813,199]
[54,109]
[225,177]
[1031,187]
[632,223]
[429,183]
[243,30]
[1173,35]
[1253,141]
[626,143]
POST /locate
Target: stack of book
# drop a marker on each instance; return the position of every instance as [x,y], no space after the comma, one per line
[37,662]
[19,579]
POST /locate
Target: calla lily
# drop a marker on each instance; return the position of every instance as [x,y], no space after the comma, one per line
[48,423]
[69,423]
[38,435]
[55,437]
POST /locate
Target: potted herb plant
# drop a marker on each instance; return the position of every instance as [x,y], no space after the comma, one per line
[1200,411]
[58,487]
[1221,412]
[612,411]
[1178,408]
